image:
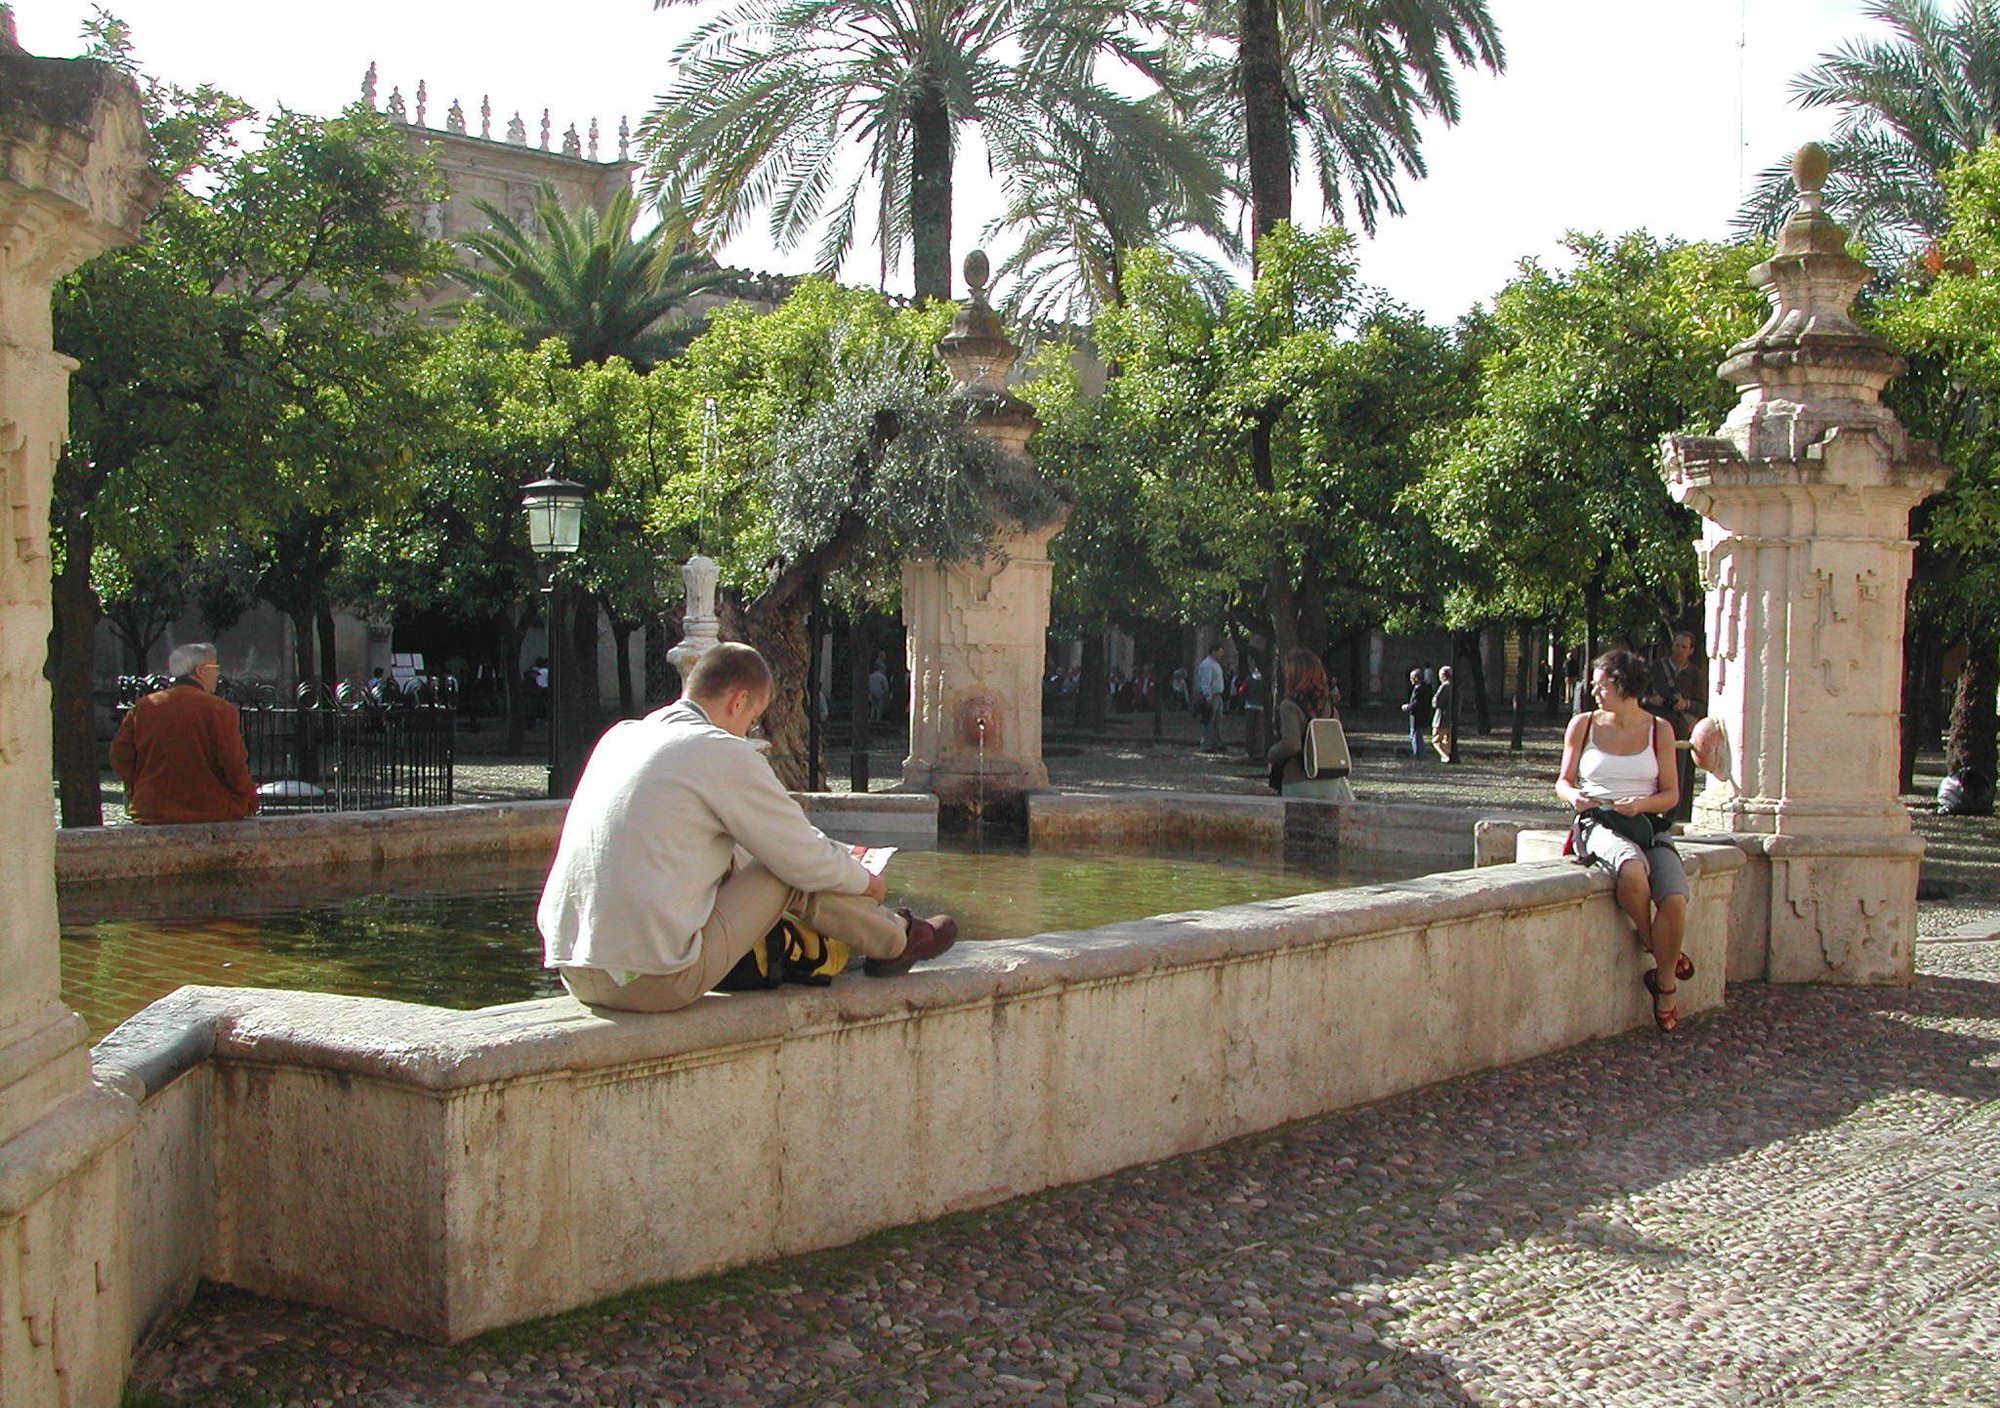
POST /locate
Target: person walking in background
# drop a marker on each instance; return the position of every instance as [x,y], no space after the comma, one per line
[878,690]
[1209,687]
[1678,692]
[180,750]
[1418,707]
[1444,717]
[1308,696]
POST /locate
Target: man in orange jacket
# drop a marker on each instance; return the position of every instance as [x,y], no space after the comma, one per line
[180,750]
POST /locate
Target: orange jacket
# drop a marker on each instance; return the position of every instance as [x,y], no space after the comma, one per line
[181,754]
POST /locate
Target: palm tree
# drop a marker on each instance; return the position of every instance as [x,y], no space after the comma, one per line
[1081,206]
[1909,106]
[1349,80]
[584,279]
[773,94]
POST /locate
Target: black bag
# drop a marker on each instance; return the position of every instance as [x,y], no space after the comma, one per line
[1643,830]
[790,953]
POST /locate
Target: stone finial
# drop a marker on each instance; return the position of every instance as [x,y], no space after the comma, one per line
[624,139]
[545,129]
[368,86]
[977,350]
[1809,170]
[572,144]
[517,131]
[423,101]
[454,118]
[397,111]
[486,116]
[593,139]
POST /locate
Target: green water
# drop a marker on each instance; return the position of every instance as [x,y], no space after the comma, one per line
[464,936]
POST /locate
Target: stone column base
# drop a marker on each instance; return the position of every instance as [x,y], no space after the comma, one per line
[1843,909]
[64,1291]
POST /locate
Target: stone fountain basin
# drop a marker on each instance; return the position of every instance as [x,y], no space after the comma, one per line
[445,1173]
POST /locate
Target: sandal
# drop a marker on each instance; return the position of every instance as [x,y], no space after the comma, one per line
[1683,968]
[1666,1018]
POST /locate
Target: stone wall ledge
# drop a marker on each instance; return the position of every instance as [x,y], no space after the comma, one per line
[88,855]
[440,1050]
[517,1161]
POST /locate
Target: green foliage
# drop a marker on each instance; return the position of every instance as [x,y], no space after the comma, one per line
[248,353]
[1553,485]
[1355,84]
[1949,324]
[1174,515]
[1908,106]
[583,278]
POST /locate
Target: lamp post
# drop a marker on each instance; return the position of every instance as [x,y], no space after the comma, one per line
[554,507]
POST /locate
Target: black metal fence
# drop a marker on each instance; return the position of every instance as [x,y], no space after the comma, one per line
[351,748]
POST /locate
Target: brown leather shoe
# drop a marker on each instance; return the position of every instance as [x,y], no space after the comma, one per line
[928,938]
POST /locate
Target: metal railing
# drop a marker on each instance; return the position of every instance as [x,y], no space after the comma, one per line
[389,743]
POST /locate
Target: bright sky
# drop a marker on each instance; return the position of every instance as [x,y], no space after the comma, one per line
[1612,115]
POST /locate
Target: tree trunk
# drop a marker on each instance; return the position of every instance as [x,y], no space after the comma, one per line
[1915,646]
[302,642]
[329,659]
[1593,612]
[861,658]
[71,671]
[573,665]
[662,682]
[930,196]
[621,646]
[1973,721]
[779,633]
[1267,124]
[1090,685]
[1465,644]
[514,699]
[1281,598]
[1523,668]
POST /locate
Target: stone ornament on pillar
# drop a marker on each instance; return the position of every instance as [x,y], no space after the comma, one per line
[1805,496]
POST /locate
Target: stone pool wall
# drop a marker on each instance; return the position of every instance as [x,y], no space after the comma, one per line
[1298,829]
[448,1172]
[95,855]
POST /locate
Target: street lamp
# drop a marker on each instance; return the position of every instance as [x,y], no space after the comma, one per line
[555,517]
[555,527]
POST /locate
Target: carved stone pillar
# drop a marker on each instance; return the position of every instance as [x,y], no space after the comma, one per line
[72,184]
[1805,497]
[978,630]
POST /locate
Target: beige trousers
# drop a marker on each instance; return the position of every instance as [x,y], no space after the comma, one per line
[746,907]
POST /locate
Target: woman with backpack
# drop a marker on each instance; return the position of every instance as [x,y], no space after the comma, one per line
[1308,695]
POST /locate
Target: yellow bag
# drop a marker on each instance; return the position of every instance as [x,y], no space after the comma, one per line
[792,952]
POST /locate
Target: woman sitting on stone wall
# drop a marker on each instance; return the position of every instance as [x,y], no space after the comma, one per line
[1618,772]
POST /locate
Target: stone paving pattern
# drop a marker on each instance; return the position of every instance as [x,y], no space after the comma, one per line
[1795,1201]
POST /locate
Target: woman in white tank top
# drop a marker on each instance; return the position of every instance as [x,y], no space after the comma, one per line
[1619,759]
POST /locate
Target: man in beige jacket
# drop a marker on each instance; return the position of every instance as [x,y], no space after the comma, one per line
[681,849]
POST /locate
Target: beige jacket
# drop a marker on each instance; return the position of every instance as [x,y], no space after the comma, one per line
[650,835]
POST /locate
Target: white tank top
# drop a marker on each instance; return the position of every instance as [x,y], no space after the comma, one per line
[1612,777]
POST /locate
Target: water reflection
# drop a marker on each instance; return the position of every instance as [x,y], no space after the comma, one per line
[463,935]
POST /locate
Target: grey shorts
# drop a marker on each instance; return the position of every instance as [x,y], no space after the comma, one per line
[1664,870]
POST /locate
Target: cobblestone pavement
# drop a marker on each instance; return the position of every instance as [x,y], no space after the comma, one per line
[1796,1201]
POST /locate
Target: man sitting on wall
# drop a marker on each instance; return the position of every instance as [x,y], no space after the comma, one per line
[180,749]
[650,900]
